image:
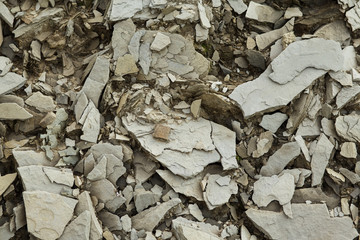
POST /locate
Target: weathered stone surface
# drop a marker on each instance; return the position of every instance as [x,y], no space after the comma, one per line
[12,111]
[264,40]
[41,102]
[353,177]
[310,221]
[126,65]
[6,181]
[272,122]
[79,228]
[47,213]
[348,128]
[122,34]
[196,212]
[5,232]
[60,176]
[315,195]
[320,158]
[6,15]
[348,150]
[268,189]
[309,127]
[347,94]
[336,31]
[202,34]
[263,144]
[111,221]
[29,157]
[105,191]
[314,53]
[292,12]
[20,218]
[262,13]
[91,125]
[303,147]
[218,193]
[278,161]
[143,199]
[353,17]
[189,230]
[189,187]
[203,18]
[238,5]
[123,9]
[160,42]
[151,217]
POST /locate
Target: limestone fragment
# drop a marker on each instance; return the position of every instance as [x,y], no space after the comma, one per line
[12,111]
[91,125]
[41,102]
[20,218]
[268,189]
[292,12]
[347,94]
[217,194]
[79,228]
[348,128]
[303,147]
[5,232]
[126,65]
[353,17]
[123,9]
[320,158]
[314,220]
[6,181]
[6,15]
[151,217]
[29,157]
[348,150]
[272,122]
[315,195]
[195,108]
[336,31]
[143,199]
[263,144]
[202,34]
[190,230]
[238,5]
[105,191]
[196,212]
[160,42]
[262,13]
[144,167]
[47,213]
[353,177]
[278,161]
[203,18]
[121,37]
[161,132]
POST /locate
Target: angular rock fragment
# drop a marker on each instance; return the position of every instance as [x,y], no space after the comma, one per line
[5,232]
[122,34]
[272,122]
[144,167]
[268,189]
[105,191]
[151,217]
[123,9]
[314,220]
[315,195]
[303,147]
[238,5]
[278,161]
[143,199]
[79,228]
[348,128]
[219,190]
[292,12]
[6,181]
[126,65]
[12,111]
[6,15]
[353,177]
[91,125]
[353,17]
[203,18]
[111,221]
[41,102]
[336,31]
[263,144]
[262,13]
[29,157]
[347,94]
[320,158]
[348,150]
[20,218]
[160,42]
[309,127]
[47,213]
[190,230]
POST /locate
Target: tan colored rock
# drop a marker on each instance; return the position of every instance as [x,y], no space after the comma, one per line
[162,132]
[41,102]
[12,111]
[348,150]
[126,65]
[6,181]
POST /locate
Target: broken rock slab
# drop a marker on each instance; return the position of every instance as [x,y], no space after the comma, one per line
[151,217]
[268,189]
[320,158]
[79,228]
[6,181]
[262,13]
[123,9]
[25,157]
[41,102]
[348,128]
[347,94]
[336,31]
[272,122]
[185,229]
[160,42]
[278,161]
[12,111]
[47,213]
[310,221]
[238,5]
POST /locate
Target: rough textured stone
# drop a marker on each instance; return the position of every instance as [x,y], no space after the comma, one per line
[238,5]
[12,111]
[189,230]
[348,150]
[348,128]
[278,161]
[315,195]
[105,191]
[6,181]
[262,13]
[47,214]
[353,177]
[91,125]
[122,34]
[123,9]
[6,15]
[126,65]
[308,222]
[320,159]
[292,12]
[347,94]
[272,122]
[10,82]
[336,31]
[160,42]
[268,189]
[151,217]
[79,228]
[29,157]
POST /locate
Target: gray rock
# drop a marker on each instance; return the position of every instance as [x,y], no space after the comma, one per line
[85,204]
[256,59]
[189,230]
[313,53]
[217,194]
[111,221]
[328,127]
[160,42]
[122,35]
[205,23]
[348,128]
[151,217]
[262,13]
[145,57]
[202,34]
[134,44]
[144,167]
[347,94]
[320,158]
[81,103]
[29,157]
[238,5]
[35,178]
[348,150]
[309,127]
[123,9]
[12,111]
[6,181]
[272,122]
[278,161]
[263,144]
[143,199]
[353,177]
[350,62]
[268,189]
[5,65]
[99,171]
[196,212]
[303,147]
[336,31]
[79,228]
[5,232]
[60,176]
[91,125]
[264,40]
[6,15]
[353,17]
[126,223]
[20,218]
[41,102]
[292,12]
[314,220]
[189,187]
[315,195]
[47,213]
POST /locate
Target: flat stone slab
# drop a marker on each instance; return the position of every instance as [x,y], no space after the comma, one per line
[310,221]
[12,111]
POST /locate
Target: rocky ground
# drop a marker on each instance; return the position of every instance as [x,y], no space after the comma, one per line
[179,119]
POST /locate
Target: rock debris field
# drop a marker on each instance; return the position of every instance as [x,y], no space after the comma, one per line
[179,119]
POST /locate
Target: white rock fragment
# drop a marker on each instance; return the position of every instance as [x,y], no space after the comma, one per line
[41,102]
[303,147]
[143,199]
[217,194]
[79,228]
[263,144]
[196,212]
[216,3]
[151,217]
[320,158]
[28,157]
[309,127]
[336,31]
[160,42]
[12,111]
[106,192]
[268,189]
[272,122]
[189,230]
[353,16]
[6,181]
[292,12]
[6,15]
[238,5]
[262,13]
[121,37]
[123,9]
[47,213]
[126,223]
[91,125]
[278,161]
[348,128]
[99,171]
[314,220]
[5,65]
[349,54]
[5,232]
[203,18]
[348,150]
[345,79]
[347,94]
[202,34]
